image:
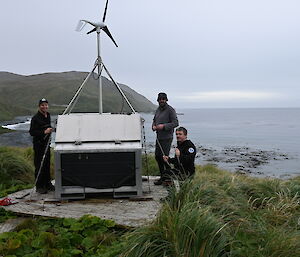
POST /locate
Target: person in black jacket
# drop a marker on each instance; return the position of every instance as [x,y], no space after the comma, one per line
[40,129]
[164,122]
[184,156]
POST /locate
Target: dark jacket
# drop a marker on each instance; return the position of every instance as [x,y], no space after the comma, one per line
[39,123]
[168,117]
[187,158]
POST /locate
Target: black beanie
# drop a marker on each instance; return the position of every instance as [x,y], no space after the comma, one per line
[162,95]
[43,100]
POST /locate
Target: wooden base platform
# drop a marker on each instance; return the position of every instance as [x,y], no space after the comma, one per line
[128,212]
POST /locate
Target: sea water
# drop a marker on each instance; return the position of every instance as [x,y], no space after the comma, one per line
[274,131]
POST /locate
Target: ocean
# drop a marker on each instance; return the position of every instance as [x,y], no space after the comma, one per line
[260,142]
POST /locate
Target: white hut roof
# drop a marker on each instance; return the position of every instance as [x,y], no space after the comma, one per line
[95,127]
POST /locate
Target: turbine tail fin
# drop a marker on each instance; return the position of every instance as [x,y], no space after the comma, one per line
[81,24]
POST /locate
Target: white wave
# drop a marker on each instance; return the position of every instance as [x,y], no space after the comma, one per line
[21,126]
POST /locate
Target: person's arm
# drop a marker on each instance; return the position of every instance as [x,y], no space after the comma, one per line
[154,123]
[189,156]
[173,120]
[169,160]
[35,129]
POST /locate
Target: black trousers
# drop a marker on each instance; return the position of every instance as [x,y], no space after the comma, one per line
[44,179]
[166,146]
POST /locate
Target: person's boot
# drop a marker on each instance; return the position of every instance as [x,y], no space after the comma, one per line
[167,182]
[158,182]
[50,187]
[41,190]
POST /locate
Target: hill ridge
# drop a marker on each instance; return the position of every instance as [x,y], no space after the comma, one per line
[20,94]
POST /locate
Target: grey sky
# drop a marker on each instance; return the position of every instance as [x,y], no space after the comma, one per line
[211,53]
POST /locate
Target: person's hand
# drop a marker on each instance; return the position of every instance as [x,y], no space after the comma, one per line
[153,128]
[166,158]
[48,131]
[160,126]
[177,152]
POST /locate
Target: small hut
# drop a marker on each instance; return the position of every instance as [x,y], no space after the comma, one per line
[98,153]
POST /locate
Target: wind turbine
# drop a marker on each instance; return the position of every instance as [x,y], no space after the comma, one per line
[98,26]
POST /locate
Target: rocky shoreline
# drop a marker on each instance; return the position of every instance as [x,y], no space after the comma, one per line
[240,159]
[245,160]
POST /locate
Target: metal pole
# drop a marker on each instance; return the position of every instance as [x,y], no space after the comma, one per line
[118,87]
[99,71]
[75,97]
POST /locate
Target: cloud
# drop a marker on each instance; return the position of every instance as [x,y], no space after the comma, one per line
[225,96]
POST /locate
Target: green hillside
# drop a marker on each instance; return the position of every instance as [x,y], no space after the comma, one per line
[19,94]
[9,111]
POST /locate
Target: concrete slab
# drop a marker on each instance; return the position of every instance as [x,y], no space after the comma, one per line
[133,213]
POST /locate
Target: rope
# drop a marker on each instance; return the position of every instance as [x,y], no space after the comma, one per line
[161,149]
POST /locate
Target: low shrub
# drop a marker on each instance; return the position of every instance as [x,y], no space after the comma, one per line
[87,236]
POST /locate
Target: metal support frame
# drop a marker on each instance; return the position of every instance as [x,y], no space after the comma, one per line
[78,92]
[100,65]
[99,62]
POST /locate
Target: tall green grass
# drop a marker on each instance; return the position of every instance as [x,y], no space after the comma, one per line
[16,169]
[223,214]
[149,165]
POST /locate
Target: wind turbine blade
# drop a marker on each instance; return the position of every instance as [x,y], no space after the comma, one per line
[105,29]
[94,29]
[81,24]
[104,15]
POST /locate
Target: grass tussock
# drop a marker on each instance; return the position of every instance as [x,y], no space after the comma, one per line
[149,165]
[223,214]
[16,167]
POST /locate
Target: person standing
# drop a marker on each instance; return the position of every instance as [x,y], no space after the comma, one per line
[40,130]
[164,122]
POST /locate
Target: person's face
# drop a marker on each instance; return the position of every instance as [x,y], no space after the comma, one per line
[162,102]
[180,136]
[43,107]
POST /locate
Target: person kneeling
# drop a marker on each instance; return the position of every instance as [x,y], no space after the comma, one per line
[185,152]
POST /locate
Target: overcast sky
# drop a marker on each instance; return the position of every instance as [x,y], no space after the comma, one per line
[202,53]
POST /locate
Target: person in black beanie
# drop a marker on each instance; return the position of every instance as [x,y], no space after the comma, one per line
[40,130]
[164,122]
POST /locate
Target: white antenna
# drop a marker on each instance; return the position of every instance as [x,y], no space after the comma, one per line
[98,26]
